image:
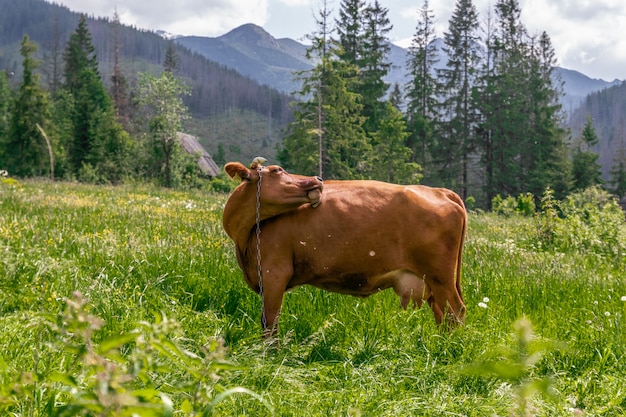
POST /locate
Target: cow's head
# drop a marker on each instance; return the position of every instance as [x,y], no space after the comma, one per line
[280,191]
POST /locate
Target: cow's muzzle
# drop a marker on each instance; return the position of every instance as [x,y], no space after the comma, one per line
[315,195]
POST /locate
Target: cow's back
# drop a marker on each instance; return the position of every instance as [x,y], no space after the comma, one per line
[365,229]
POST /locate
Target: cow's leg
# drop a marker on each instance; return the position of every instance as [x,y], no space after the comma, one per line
[272,303]
[275,280]
[446,302]
[437,312]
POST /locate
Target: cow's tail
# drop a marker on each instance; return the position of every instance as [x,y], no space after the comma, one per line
[460,254]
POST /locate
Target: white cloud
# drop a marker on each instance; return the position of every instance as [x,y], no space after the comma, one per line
[185,17]
[298,3]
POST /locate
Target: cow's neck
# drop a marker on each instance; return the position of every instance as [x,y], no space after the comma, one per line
[240,217]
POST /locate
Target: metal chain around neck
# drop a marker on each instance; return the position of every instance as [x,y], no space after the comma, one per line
[258,248]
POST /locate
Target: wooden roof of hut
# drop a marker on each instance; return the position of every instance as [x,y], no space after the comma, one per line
[205,162]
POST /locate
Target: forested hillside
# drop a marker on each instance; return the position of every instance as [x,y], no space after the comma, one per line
[607,109]
[215,89]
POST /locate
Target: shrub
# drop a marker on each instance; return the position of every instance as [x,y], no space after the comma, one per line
[524,204]
[590,220]
[504,206]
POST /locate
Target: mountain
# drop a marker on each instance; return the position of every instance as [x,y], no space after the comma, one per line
[607,108]
[253,52]
[578,86]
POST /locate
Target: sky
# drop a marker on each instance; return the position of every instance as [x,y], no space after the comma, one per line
[587,35]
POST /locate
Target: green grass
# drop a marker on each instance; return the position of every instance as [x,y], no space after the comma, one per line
[165,324]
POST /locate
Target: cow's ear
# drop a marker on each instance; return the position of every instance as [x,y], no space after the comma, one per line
[236,169]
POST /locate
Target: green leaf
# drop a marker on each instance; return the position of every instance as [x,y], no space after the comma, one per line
[63,379]
[232,391]
[116,342]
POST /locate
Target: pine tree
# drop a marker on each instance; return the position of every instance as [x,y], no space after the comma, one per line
[392,158]
[53,59]
[99,148]
[26,152]
[304,149]
[119,85]
[586,170]
[5,109]
[349,29]
[171,59]
[507,116]
[544,158]
[458,111]
[618,173]
[345,150]
[374,65]
[396,98]
[81,81]
[422,85]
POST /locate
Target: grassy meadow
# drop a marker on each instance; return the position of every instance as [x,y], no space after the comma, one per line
[128,301]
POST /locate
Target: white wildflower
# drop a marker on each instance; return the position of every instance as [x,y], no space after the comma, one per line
[482,305]
[607,313]
[486,300]
[623,298]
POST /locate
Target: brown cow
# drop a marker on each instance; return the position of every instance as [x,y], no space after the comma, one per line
[354,237]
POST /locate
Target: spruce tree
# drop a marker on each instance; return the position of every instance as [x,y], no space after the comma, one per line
[303,149]
[374,64]
[506,121]
[344,148]
[5,109]
[119,85]
[82,80]
[522,145]
[586,170]
[327,137]
[618,173]
[396,98]
[392,158]
[53,58]
[99,148]
[422,86]
[349,29]
[458,111]
[544,157]
[26,152]
[171,59]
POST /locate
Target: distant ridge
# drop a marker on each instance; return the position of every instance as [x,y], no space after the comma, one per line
[252,51]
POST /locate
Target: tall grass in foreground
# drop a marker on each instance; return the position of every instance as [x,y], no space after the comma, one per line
[128,301]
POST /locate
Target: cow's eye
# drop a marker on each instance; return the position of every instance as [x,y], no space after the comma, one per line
[277,170]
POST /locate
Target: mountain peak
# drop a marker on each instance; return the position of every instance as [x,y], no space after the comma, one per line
[251,34]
